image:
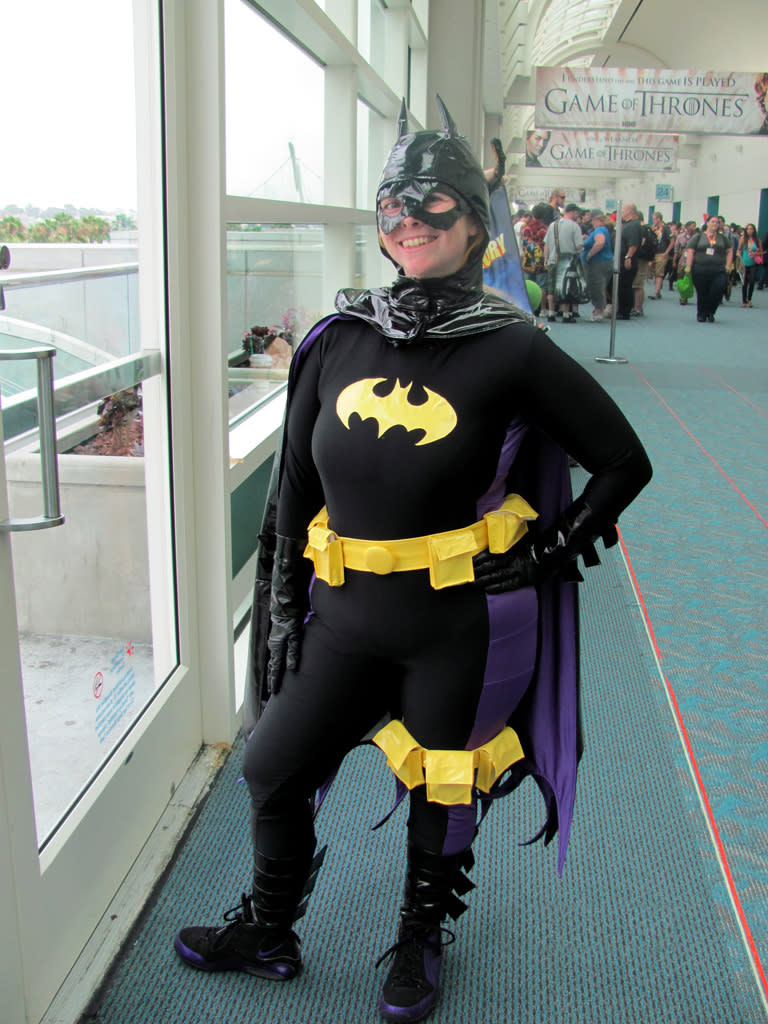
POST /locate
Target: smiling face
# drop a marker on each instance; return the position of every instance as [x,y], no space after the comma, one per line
[420,249]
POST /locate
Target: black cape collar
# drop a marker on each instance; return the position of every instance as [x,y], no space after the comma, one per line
[414,310]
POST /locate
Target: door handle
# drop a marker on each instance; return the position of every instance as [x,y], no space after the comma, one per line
[47,425]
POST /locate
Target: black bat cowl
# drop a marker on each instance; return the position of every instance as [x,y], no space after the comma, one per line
[419,309]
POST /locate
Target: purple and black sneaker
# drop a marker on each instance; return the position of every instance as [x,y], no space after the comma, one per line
[241,945]
[412,986]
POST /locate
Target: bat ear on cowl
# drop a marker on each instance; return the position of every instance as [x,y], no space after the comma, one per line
[448,123]
[402,120]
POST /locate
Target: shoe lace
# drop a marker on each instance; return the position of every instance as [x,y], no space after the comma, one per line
[242,913]
[408,968]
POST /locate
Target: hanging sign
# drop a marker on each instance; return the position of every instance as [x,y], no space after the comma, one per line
[531,194]
[617,151]
[653,100]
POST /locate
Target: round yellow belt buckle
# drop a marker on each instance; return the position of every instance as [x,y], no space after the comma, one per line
[379,560]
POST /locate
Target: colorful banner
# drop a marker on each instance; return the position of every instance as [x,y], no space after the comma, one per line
[502,272]
[653,100]
[616,151]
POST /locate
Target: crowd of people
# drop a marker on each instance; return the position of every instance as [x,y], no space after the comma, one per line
[719,257]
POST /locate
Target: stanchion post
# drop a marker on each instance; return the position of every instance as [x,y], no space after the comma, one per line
[611,358]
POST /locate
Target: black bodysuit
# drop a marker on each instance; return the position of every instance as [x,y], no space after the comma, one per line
[402,442]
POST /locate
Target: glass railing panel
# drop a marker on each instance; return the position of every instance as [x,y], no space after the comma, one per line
[95,306]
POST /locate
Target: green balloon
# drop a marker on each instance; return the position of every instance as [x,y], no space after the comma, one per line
[534,294]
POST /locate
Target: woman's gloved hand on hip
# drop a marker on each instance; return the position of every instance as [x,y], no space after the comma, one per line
[551,552]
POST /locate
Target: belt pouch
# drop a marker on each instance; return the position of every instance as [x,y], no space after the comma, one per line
[506,525]
[450,559]
[324,549]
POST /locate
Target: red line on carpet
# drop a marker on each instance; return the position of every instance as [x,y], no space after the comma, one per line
[744,398]
[720,848]
[699,445]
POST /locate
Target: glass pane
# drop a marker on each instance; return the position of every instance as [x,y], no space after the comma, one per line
[274,295]
[565,19]
[372,268]
[275,108]
[371,33]
[378,56]
[364,29]
[364,199]
[87,593]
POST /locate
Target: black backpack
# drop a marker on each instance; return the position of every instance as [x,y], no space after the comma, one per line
[647,247]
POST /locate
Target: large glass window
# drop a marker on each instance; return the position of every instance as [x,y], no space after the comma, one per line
[274,295]
[274,112]
[95,597]
[371,33]
[378,48]
[364,199]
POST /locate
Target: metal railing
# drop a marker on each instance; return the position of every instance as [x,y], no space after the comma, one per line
[51,515]
[76,391]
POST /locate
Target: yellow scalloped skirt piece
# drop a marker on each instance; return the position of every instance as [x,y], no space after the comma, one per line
[450,775]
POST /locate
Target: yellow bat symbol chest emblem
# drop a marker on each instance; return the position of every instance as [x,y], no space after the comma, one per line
[435,417]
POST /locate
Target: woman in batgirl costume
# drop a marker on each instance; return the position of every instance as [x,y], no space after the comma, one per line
[419,569]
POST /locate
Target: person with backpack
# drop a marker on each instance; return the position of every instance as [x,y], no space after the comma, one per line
[645,254]
[562,241]
[663,245]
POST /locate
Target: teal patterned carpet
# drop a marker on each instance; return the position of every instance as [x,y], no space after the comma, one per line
[661,916]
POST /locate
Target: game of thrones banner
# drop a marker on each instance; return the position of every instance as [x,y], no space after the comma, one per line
[653,100]
[617,151]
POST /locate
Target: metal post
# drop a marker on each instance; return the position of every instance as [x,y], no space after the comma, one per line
[47,426]
[611,358]
[47,420]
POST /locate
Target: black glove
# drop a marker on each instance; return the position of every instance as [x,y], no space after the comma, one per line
[288,605]
[553,552]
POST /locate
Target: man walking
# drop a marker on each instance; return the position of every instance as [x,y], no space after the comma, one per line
[630,243]
[664,243]
[562,240]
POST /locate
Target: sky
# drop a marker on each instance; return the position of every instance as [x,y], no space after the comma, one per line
[68,114]
[274,94]
[69,117]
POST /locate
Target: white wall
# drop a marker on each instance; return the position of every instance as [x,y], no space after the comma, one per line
[731,166]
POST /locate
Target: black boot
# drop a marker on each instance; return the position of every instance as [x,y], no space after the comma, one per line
[432,883]
[258,937]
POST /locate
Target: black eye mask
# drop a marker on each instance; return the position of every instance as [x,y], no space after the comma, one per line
[411,196]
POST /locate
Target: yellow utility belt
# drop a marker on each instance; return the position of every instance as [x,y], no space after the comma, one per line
[448,556]
[450,775]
